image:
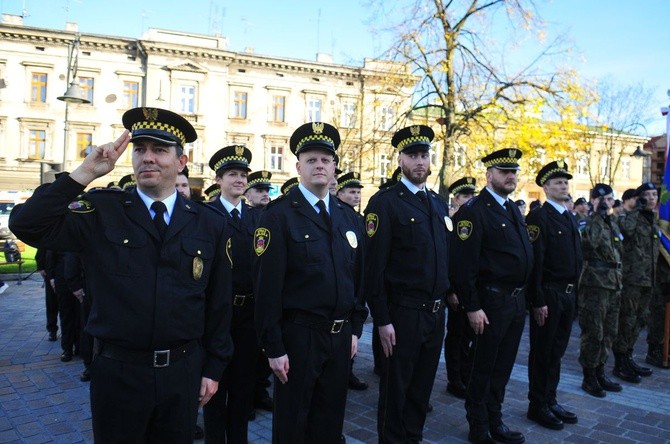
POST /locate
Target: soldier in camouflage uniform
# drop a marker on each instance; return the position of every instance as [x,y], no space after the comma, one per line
[640,252]
[599,292]
[656,320]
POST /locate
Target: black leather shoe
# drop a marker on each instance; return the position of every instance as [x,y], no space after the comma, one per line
[66,357]
[457,389]
[480,438]
[199,432]
[544,417]
[264,404]
[562,414]
[502,433]
[357,384]
[85,376]
[53,336]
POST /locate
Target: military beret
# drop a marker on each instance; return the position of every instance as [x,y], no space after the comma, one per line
[628,194]
[617,203]
[580,201]
[413,138]
[286,186]
[645,187]
[259,179]
[557,168]
[601,190]
[349,180]
[314,135]
[464,185]
[158,124]
[505,159]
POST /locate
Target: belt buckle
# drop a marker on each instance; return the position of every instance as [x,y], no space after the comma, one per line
[517,292]
[436,305]
[160,355]
[337,326]
[238,300]
[569,288]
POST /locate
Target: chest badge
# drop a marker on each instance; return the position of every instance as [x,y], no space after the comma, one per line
[261,240]
[351,237]
[197,268]
[448,223]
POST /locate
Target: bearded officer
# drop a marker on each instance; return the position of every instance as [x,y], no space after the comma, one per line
[492,260]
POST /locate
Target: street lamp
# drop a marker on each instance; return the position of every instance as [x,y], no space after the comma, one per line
[646,163]
[73,93]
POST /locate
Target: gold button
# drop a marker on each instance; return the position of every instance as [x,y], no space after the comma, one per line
[125,241]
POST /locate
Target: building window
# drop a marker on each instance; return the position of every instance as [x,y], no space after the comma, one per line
[348,117]
[604,167]
[193,151]
[84,144]
[131,92]
[387,118]
[38,87]
[277,158]
[347,161]
[278,108]
[86,86]
[240,105]
[582,167]
[384,165]
[313,109]
[37,144]
[187,99]
[625,168]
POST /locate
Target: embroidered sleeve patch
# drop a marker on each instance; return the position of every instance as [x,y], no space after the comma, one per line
[81,206]
[533,232]
[261,240]
[371,224]
[464,229]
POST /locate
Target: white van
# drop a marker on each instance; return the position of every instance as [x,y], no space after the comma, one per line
[9,199]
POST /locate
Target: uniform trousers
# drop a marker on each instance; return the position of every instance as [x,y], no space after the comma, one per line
[137,403]
[226,415]
[656,319]
[51,301]
[493,354]
[85,340]
[457,345]
[407,376]
[547,346]
[309,408]
[599,321]
[632,316]
[69,311]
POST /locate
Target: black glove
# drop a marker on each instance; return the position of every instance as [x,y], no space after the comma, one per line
[641,202]
[602,209]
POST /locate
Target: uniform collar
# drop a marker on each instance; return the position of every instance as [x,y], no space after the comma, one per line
[411,187]
[229,206]
[312,199]
[501,200]
[560,208]
[168,201]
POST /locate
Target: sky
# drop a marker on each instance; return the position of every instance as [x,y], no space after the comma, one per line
[622,40]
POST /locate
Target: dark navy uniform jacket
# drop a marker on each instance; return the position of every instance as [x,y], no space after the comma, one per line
[303,267]
[490,247]
[407,249]
[147,296]
[557,250]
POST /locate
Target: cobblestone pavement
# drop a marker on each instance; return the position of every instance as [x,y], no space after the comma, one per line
[42,399]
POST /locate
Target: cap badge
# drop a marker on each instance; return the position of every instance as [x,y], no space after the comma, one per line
[264,174]
[415,130]
[150,114]
[239,150]
[317,127]
[512,153]
[560,164]
[469,180]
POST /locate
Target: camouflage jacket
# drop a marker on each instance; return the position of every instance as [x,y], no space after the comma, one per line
[641,241]
[601,245]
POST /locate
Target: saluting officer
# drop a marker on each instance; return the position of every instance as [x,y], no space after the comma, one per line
[459,334]
[557,251]
[309,312]
[227,414]
[491,260]
[160,315]
[406,285]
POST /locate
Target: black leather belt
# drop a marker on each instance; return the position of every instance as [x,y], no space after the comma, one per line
[317,322]
[240,299]
[604,264]
[563,287]
[418,304]
[156,358]
[512,291]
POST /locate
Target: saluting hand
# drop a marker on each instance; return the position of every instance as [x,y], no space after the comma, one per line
[540,314]
[280,367]
[477,321]
[387,337]
[101,160]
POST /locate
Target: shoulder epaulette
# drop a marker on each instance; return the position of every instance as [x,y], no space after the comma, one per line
[471,201]
[209,205]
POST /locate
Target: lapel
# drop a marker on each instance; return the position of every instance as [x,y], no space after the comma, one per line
[407,196]
[303,207]
[336,213]
[554,214]
[229,219]
[492,203]
[139,214]
[183,213]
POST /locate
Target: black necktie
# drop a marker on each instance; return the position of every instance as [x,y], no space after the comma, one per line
[323,212]
[159,208]
[235,214]
[510,211]
[423,197]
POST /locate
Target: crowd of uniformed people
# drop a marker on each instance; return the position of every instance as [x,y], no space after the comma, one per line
[177,301]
